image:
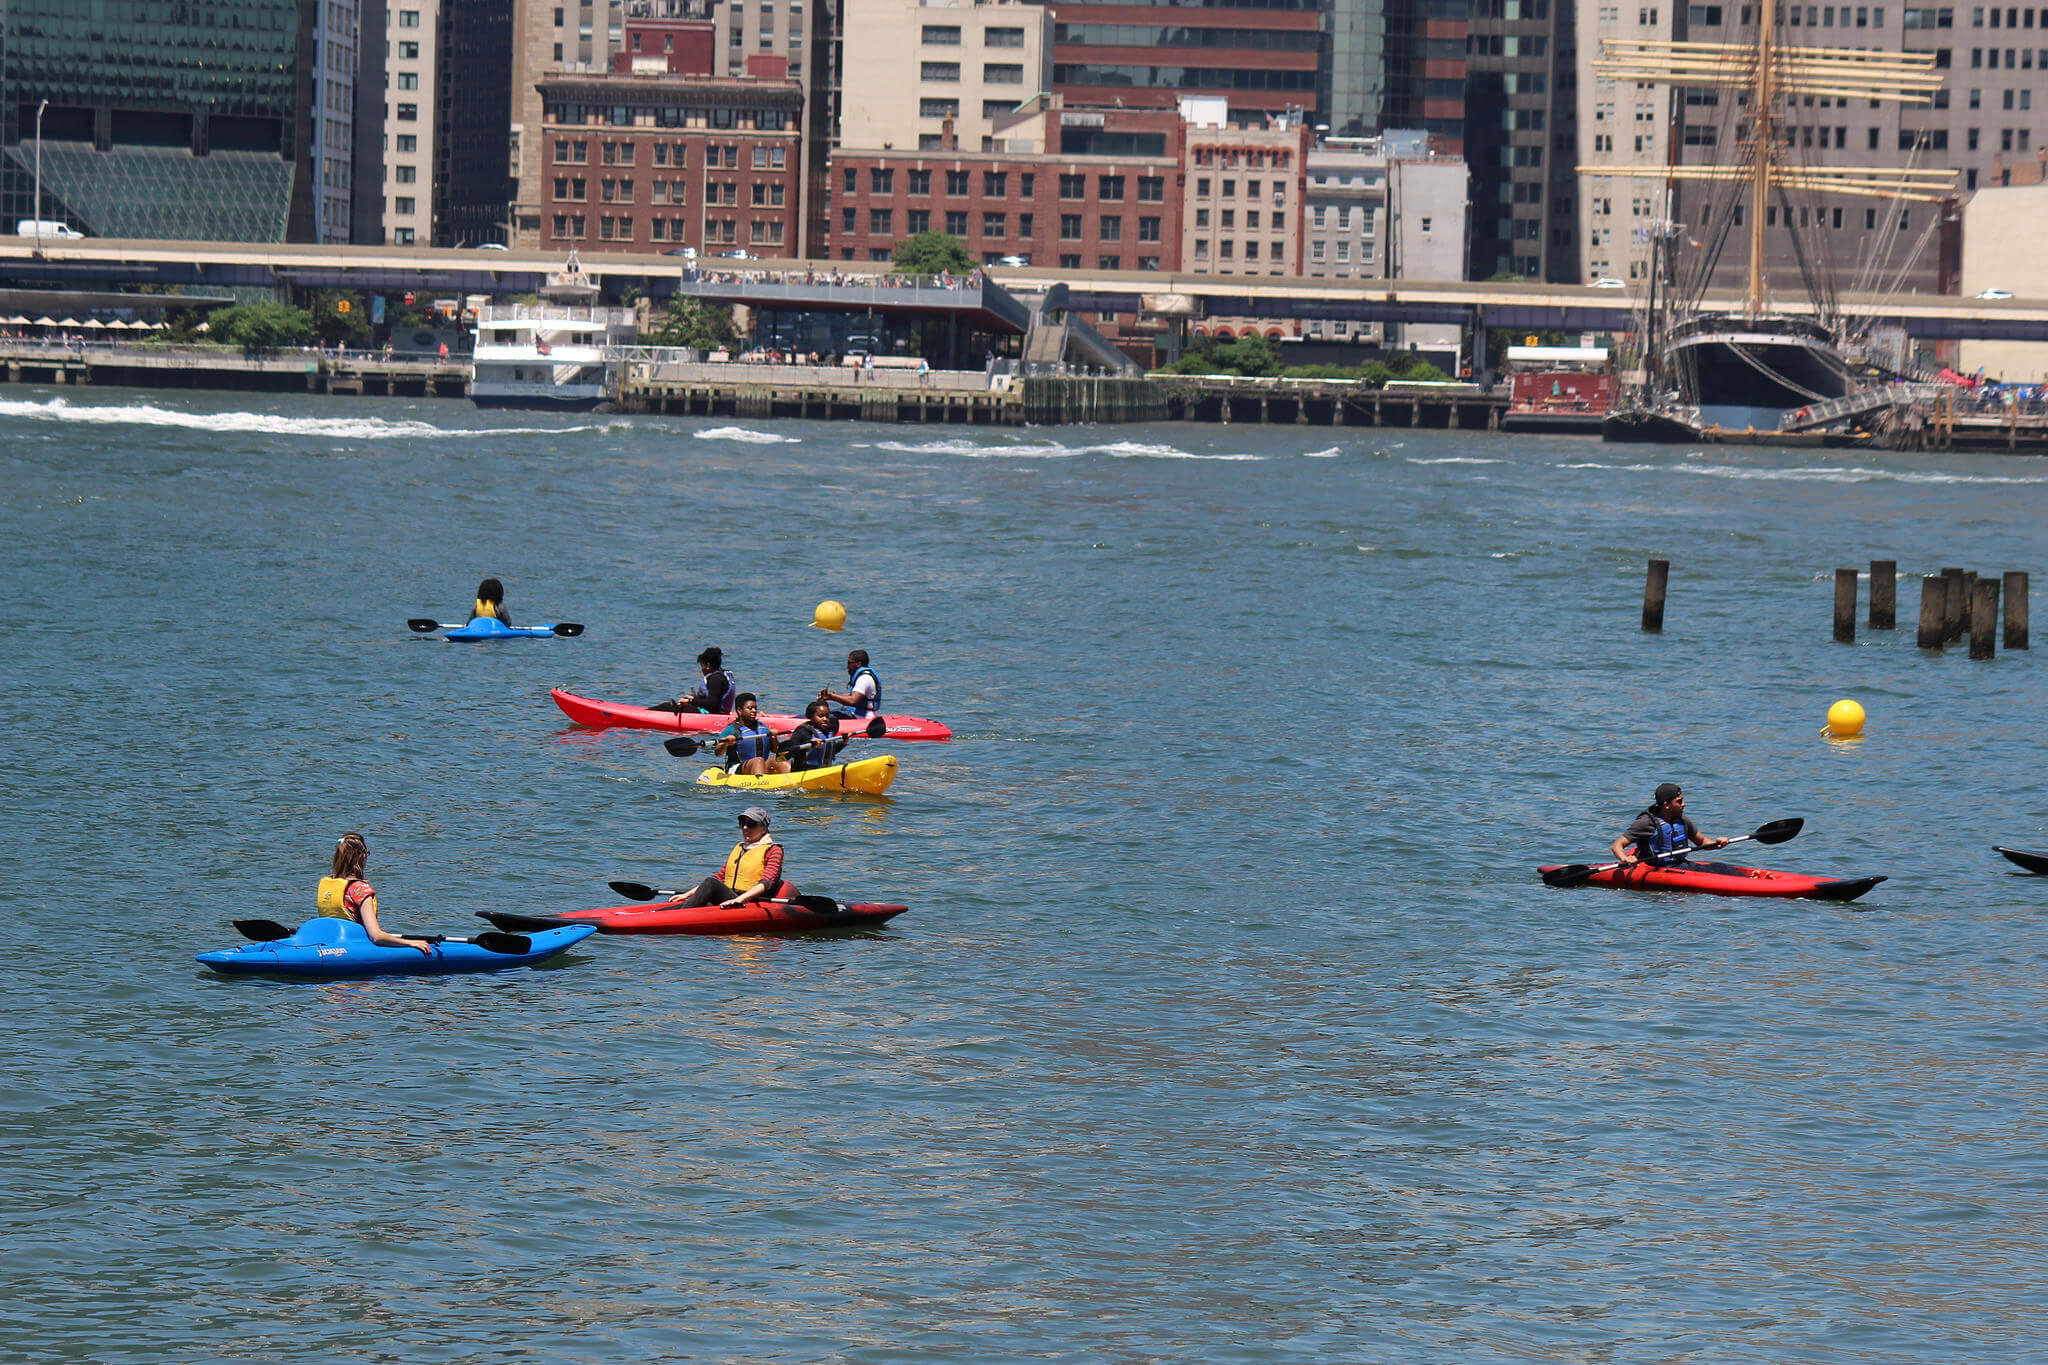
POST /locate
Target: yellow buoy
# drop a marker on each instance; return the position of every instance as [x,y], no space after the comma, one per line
[1845,718]
[830,616]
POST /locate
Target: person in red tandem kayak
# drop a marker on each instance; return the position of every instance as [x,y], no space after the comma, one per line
[752,871]
[1664,833]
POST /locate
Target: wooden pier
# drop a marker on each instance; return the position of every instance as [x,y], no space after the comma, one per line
[1324,403]
[215,367]
[889,394]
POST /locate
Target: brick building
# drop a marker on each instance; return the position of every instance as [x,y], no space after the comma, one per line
[657,156]
[1052,192]
[1243,192]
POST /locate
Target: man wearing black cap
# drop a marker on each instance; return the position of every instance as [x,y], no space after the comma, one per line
[752,871]
[1663,833]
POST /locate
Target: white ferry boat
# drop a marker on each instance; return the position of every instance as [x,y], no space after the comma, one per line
[554,354]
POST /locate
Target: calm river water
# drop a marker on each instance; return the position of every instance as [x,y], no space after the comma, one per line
[1229,1022]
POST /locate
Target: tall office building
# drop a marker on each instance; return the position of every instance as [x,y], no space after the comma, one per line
[936,76]
[396,207]
[192,123]
[1425,46]
[1351,83]
[550,36]
[337,41]
[473,106]
[1264,55]
[1521,140]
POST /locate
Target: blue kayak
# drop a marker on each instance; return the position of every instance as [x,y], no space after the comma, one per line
[339,947]
[491,628]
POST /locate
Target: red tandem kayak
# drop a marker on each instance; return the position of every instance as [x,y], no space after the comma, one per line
[1728,879]
[598,714]
[666,917]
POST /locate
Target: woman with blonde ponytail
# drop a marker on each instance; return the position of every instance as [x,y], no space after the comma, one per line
[345,895]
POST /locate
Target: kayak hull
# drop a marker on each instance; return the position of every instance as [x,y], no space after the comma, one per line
[1729,879]
[483,628]
[666,917]
[2032,862]
[335,947]
[600,714]
[869,775]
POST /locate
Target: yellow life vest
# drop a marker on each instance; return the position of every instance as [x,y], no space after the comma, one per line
[742,871]
[483,608]
[332,899]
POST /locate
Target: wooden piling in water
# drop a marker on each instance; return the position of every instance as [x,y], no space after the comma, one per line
[1984,619]
[1653,594]
[2015,610]
[1952,610]
[1933,609]
[1884,594]
[1845,606]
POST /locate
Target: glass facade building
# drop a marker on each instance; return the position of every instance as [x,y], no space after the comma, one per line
[191,122]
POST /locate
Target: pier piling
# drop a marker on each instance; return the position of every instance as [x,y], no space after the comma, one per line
[1933,609]
[1952,610]
[2015,609]
[1845,606]
[1984,619]
[1653,595]
[1884,594]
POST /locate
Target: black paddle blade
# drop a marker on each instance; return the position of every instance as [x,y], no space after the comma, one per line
[518,945]
[568,629]
[639,891]
[1571,874]
[1778,831]
[817,905]
[423,625]
[262,930]
[877,728]
[504,919]
[682,748]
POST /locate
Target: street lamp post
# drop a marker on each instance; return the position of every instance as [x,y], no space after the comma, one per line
[36,209]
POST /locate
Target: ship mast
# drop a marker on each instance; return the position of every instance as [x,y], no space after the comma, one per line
[1768,71]
[1763,101]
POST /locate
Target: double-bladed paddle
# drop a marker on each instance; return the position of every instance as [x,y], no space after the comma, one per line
[424,625]
[640,891]
[683,748]
[270,931]
[1775,832]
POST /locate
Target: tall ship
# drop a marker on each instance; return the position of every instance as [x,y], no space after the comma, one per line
[1742,366]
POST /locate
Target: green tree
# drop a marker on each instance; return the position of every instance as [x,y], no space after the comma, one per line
[259,327]
[1251,355]
[341,318]
[929,253]
[1422,372]
[695,323]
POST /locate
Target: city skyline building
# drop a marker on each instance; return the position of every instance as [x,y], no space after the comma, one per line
[1264,56]
[936,75]
[1521,140]
[337,46]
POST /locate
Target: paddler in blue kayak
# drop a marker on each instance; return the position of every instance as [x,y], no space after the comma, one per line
[1663,833]
[747,744]
[752,871]
[345,895]
[715,695]
[863,695]
[490,602]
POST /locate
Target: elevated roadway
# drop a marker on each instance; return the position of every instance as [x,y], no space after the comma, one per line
[113,265]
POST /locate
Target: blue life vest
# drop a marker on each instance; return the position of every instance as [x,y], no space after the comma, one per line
[865,707]
[757,741]
[1667,838]
[819,751]
[719,703]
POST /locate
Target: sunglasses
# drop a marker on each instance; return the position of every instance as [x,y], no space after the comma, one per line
[752,824]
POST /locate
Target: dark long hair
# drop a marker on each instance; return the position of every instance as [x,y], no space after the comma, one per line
[350,854]
[491,591]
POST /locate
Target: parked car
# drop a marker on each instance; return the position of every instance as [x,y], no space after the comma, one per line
[1995,294]
[738,253]
[688,253]
[1609,282]
[490,246]
[1014,262]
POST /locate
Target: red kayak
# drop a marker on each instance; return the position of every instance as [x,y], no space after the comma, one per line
[666,917]
[599,714]
[1728,879]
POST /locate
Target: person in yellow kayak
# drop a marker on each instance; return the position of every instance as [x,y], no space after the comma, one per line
[1663,833]
[490,601]
[751,872]
[817,742]
[748,745]
[345,895]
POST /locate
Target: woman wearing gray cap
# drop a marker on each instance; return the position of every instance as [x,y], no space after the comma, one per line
[1663,833]
[752,871]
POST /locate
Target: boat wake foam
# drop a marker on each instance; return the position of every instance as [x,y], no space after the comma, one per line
[269,424]
[1053,450]
[747,435]
[1809,473]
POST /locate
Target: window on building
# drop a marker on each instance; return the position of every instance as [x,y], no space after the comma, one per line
[881,222]
[938,108]
[1070,227]
[956,184]
[995,184]
[1070,262]
[1109,263]
[1111,229]
[408,18]
[939,71]
[1148,229]
[1004,37]
[942,35]
[852,178]
[1073,187]
[995,224]
[405,175]
[408,113]
[1110,188]
[1151,189]
[881,180]
[956,223]
[405,204]
[917,220]
[1001,73]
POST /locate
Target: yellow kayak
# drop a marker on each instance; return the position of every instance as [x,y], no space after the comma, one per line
[870,775]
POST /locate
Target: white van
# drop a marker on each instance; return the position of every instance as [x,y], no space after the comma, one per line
[29,227]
